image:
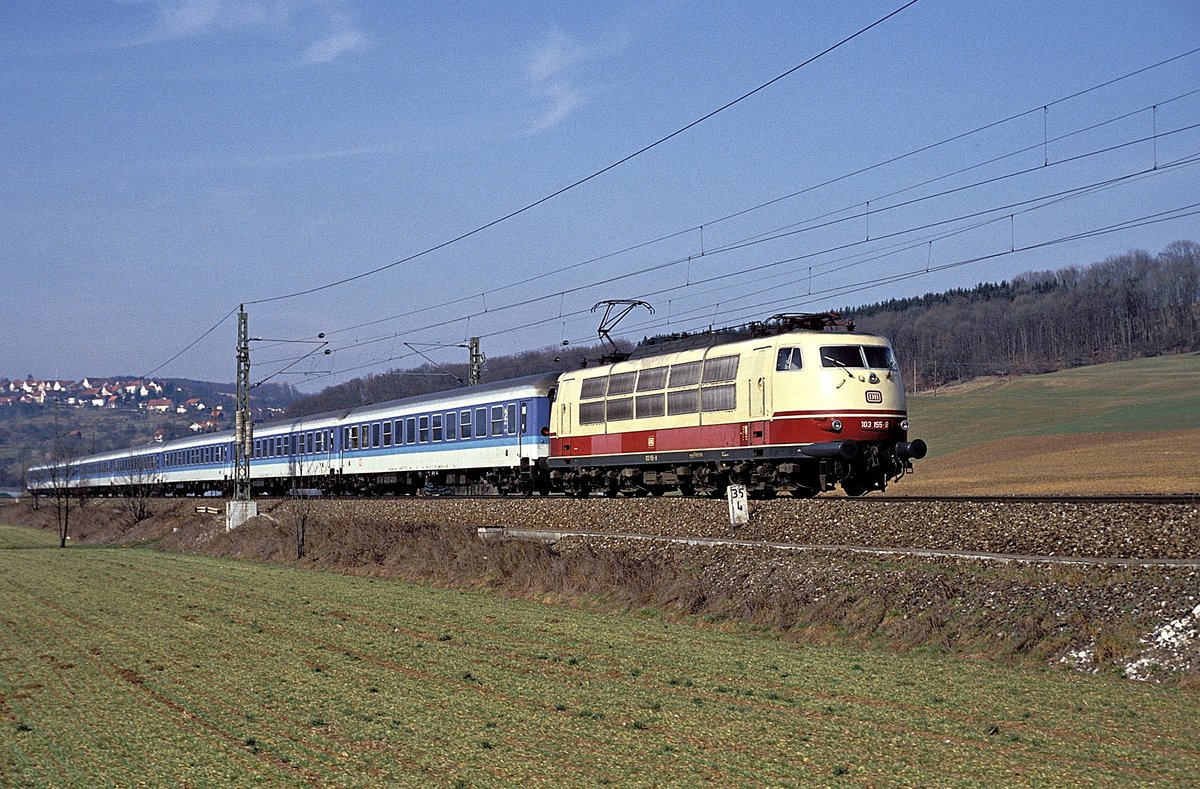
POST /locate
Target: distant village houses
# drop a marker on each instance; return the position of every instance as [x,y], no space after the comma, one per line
[142,394]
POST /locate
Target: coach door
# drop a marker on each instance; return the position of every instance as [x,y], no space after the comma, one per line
[760,393]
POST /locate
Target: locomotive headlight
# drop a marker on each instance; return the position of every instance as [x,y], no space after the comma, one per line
[904,425]
[836,425]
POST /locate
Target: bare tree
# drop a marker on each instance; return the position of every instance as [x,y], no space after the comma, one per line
[300,509]
[139,484]
[62,475]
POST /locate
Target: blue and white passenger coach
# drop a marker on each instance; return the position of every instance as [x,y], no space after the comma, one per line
[494,435]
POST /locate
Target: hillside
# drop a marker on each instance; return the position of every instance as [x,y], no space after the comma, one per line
[1125,427]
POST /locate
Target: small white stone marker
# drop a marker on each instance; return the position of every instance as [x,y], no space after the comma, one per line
[739,505]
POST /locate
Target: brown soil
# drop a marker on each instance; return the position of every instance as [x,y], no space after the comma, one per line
[1089,463]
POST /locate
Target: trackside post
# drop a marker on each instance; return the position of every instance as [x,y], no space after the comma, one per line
[739,506]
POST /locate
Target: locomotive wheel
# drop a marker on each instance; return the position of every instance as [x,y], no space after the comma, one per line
[854,488]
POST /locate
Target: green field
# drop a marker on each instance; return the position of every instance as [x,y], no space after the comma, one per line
[120,666]
[1155,394]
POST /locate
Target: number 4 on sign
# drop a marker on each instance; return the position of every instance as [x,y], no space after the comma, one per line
[739,506]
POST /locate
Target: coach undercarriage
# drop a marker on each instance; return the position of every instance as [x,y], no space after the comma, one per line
[858,467]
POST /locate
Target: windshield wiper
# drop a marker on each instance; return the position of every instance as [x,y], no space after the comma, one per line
[839,364]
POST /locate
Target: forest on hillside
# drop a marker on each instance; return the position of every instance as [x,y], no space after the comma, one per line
[1129,305]
[1134,304]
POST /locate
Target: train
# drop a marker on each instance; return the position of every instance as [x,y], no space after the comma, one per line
[797,405]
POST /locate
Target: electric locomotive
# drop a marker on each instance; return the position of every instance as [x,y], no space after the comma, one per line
[797,404]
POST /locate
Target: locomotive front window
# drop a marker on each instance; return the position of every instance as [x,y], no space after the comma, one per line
[654,378]
[880,357]
[621,383]
[841,356]
[788,359]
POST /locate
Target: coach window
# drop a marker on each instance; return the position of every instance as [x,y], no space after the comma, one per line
[788,359]
[437,427]
[387,433]
[308,443]
[451,426]
[423,433]
[465,424]
[722,368]
[258,447]
[620,409]
[376,440]
[718,398]
[651,379]
[592,388]
[510,419]
[410,430]
[621,383]
[687,374]
[591,413]
[481,422]
[650,405]
[351,437]
[684,401]
[319,441]
[497,420]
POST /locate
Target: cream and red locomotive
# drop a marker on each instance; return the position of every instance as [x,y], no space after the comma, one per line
[798,404]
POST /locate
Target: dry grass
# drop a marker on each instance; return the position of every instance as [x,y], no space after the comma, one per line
[1085,463]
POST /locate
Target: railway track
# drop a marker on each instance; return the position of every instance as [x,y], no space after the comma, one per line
[554,535]
[1116,498]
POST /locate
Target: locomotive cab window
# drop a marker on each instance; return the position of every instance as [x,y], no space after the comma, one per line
[841,356]
[879,357]
[788,359]
[872,356]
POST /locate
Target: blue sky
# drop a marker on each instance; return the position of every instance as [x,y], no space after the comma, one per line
[166,161]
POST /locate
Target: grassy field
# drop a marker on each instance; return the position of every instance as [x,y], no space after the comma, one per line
[126,665]
[1144,395]
[1128,427]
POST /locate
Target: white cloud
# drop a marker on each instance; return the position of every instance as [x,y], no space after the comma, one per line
[333,34]
[334,46]
[552,72]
